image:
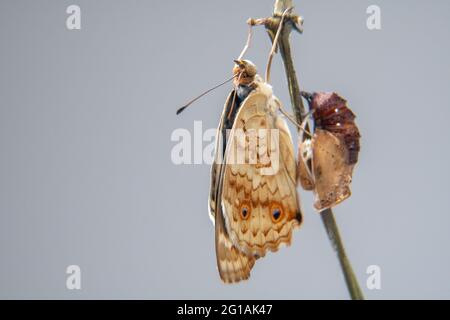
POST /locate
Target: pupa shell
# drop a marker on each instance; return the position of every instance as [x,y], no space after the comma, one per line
[326,162]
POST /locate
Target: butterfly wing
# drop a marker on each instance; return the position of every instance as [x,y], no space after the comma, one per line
[233,265]
[331,168]
[260,209]
[215,168]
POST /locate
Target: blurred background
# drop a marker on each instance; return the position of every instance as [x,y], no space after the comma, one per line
[86,118]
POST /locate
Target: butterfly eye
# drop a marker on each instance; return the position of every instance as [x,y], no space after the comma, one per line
[244,211]
[276,212]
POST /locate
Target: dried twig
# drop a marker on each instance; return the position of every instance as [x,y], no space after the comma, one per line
[294,22]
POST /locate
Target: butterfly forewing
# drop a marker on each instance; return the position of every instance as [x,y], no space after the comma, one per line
[260,201]
[233,265]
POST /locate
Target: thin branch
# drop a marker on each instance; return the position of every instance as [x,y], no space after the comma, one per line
[294,22]
[275,41]
[335,238]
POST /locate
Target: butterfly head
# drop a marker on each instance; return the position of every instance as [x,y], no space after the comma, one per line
[244,72]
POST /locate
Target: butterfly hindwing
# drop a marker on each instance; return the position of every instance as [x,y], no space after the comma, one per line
[233,264]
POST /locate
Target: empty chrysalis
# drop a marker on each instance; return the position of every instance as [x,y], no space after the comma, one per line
[326,161]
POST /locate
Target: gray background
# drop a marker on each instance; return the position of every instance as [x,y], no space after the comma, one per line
[85,171]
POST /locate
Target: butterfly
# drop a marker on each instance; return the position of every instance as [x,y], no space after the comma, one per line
[253,212]
[327,159]
[253,202]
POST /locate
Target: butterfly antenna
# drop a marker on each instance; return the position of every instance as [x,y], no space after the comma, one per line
[203,94]
[247,45]
[275,42]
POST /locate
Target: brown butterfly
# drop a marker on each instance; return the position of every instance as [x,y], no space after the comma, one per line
[253,202]
[253,212]
[326,161]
